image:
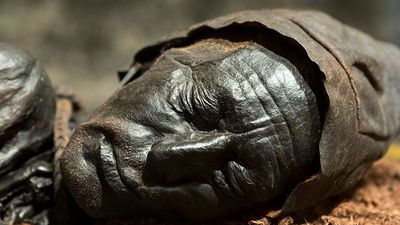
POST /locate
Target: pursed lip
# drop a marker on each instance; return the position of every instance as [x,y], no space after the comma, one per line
[240,179]
[234,181]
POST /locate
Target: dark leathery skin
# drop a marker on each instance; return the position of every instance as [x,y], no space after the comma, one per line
[208,130]
[26,106]
[146,151]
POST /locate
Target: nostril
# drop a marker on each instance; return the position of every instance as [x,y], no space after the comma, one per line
[118,172]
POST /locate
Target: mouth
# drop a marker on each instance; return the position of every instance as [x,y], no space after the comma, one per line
[234,181]
[239,178]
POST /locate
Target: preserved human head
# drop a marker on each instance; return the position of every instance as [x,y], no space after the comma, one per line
[209,129]
[253,108]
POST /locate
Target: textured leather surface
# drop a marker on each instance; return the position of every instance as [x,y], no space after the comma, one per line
[325,108]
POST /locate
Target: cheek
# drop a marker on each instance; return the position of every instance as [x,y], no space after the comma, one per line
[138,137]
[244,116]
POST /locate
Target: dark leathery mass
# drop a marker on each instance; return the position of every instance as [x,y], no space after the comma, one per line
[272,107]
[26,107]
[211,124]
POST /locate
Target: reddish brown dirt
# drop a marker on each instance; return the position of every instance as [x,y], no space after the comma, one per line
[375,200]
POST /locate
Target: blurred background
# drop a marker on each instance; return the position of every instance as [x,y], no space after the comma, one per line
[83,43]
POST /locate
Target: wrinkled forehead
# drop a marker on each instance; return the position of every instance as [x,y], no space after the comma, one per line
[208,50]
[219,57]
[12,58]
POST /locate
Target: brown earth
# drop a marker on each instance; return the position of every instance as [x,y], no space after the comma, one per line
[375,200]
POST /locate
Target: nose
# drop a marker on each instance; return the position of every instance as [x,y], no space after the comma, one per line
[95,168]
[78,167]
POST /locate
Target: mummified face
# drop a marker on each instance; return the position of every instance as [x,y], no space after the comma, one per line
[207,130]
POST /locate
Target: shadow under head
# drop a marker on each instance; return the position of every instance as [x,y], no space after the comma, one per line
[253,108]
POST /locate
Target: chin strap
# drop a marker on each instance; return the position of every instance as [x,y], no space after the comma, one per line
[127,76]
